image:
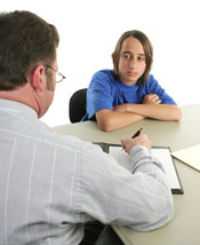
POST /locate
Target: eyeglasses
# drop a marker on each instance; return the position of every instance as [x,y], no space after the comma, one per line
[59,76]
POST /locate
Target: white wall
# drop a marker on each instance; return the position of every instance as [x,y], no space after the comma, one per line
[89,30]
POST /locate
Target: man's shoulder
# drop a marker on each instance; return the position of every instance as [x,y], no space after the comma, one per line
[67,142]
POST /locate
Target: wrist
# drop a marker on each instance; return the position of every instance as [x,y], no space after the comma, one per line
[138,147]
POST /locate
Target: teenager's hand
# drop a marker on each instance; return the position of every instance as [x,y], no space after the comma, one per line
[142,140]
[121,108]
[151,99]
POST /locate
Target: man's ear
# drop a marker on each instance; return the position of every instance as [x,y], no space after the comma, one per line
[38,78]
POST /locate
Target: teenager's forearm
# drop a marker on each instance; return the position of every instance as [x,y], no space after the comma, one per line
[112,120]
[158,111]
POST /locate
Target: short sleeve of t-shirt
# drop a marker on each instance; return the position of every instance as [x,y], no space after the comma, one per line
[152,86]
[99,93]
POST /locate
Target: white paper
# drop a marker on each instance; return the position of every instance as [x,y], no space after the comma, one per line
[163,154]
[190,156]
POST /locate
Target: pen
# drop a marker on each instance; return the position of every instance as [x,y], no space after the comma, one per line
[137,133]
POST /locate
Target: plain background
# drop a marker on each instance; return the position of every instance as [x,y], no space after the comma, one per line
[89,30]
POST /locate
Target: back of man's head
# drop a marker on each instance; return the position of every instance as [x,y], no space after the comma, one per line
[25,40]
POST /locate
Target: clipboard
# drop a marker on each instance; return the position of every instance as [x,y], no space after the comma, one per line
[161,153]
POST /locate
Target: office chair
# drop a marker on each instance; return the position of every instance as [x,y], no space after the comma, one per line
[99,234]
[77,105]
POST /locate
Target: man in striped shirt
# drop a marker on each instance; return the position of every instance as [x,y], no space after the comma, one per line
[51,186]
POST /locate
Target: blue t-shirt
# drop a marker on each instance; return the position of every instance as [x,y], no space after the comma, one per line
[105,92]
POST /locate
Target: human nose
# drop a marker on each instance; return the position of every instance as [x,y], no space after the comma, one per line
[132,62]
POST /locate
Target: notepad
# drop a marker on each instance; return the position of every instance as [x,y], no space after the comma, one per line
[161,153]
[189,156]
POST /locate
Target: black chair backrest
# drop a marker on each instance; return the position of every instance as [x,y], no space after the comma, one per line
[77,105]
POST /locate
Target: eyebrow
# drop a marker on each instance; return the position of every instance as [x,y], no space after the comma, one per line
[128,52]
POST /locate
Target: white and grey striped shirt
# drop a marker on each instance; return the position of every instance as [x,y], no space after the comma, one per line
[51,185]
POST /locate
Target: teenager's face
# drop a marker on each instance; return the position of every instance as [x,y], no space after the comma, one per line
[132,63]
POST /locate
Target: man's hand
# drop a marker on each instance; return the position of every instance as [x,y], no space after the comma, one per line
[151,99]
[142,140]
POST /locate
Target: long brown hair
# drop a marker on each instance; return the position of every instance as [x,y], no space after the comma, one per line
[148,50]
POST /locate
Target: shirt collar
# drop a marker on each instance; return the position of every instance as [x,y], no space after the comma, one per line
[18,109]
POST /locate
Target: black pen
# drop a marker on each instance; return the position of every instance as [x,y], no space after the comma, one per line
[137,133]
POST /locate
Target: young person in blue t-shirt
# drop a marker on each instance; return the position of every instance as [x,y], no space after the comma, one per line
[128,93]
